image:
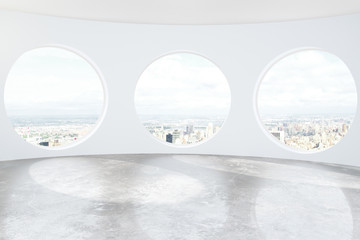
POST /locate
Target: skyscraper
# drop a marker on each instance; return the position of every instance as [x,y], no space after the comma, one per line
[175,135]
[279,135]
[169,138]
[189,129]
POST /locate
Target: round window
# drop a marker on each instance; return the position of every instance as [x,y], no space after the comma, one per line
[182,99]
[307,100]
[53,97]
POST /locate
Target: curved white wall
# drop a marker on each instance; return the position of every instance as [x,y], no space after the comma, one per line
[123,51]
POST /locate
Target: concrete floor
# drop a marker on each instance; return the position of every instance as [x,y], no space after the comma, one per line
[170,197]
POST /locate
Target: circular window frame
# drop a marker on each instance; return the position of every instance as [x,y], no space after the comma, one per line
[172,145]
[265,71]
[99,74]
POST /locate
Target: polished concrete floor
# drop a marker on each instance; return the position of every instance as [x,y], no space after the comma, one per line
[173,197]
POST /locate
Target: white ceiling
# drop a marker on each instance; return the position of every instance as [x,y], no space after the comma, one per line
[186,11]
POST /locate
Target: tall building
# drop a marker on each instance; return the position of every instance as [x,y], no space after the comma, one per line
[189,129]
[279,135]
[169,138]
[45,144]
[175,135]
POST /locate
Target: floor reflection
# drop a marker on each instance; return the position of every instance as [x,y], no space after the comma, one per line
[187,197]
[301,211]
[276,171]
[164,203]
[114,181]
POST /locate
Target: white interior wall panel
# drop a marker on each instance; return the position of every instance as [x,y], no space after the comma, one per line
[121,52]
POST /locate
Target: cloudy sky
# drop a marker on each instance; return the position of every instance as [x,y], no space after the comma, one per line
[53,81]
[308,82]
[183,84]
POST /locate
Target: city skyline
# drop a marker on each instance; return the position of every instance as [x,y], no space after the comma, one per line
[308,100]
[183,131]
[53,131]
[182,98]
[308,133]
[53,97]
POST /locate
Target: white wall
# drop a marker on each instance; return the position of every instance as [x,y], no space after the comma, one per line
[123,51]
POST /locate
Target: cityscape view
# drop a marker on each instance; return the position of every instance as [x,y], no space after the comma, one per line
[309,133]
[308,100]
[182,99]
[182,130]
[53,97]
[53,131]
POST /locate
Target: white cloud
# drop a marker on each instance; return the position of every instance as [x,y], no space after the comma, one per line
[51,80]
[182,83]
[308,82]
